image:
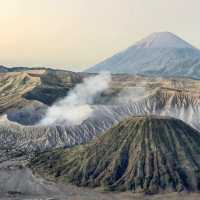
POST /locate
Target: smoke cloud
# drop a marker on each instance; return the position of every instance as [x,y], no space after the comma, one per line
[76,107]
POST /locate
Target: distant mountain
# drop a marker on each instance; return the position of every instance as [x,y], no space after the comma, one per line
[161,53]
[3,69]
[143,154]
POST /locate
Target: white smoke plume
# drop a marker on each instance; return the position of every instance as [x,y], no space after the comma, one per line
[75,107]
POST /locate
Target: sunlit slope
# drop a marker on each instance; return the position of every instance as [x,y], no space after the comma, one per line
[12,88]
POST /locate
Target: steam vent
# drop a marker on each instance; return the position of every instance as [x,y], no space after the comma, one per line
[143,154]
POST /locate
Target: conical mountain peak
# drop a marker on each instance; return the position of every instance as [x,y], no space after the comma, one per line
[163,40]
[159,54]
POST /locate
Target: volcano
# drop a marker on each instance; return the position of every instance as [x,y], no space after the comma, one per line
[147,154]
[160,54]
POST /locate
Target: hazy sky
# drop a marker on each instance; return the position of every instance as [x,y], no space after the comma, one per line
[80,33]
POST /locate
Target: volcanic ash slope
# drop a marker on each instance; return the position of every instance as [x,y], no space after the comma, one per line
[143,154]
